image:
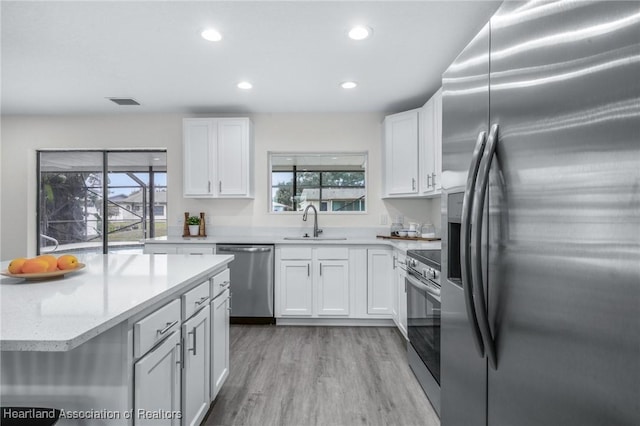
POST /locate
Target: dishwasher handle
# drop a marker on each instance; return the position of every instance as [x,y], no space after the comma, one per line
[244,249]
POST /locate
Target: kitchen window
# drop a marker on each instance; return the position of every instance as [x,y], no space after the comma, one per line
[75,215]
[333,183]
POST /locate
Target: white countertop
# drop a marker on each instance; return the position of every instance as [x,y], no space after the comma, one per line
[402,245]
[61,314]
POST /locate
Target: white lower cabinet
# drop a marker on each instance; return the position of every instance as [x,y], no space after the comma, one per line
[220,309]
[380,288]
[401,292]
[196,363]
[313,282]
[332,289]
[157,382]
[296,288]
[177,368]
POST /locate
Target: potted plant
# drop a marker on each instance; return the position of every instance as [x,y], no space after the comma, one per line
[194,225]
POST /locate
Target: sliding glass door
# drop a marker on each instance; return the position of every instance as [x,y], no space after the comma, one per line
[75,215]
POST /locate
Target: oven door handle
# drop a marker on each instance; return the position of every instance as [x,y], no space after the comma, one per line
[465,239]
[477,213]
[434,292]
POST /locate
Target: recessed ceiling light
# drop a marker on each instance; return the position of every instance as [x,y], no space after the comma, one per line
[245,85]
[360,32]
[211,34]
[348,84]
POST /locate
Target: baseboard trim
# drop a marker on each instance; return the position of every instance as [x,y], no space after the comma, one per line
[345,322]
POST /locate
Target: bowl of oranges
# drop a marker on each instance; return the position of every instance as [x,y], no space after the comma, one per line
[42,267]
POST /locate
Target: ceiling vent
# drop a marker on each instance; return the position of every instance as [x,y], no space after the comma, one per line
[124,101]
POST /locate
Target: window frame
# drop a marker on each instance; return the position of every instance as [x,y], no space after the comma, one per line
[270,172]
[105,187]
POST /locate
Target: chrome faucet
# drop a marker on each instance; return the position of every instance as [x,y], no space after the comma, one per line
[316,231]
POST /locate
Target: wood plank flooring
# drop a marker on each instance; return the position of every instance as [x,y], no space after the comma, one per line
[299,376]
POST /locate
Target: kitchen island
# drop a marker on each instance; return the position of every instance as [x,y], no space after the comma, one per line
[84,343]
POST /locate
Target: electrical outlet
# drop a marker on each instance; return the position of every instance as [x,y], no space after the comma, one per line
[383,219]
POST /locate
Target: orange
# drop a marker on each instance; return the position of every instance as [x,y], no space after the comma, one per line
[35,265]
[51,261]
[15,266]
[67,261]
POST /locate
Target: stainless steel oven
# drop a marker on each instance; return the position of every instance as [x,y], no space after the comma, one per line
[423,320]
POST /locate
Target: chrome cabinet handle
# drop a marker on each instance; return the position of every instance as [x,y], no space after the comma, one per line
[477,211]
[321,269]
[308,269]
[167,328]
[179,361]
[433,179]
[225,283]
[219,186]
[209,187]
[193,349]
[395,259]
[428,180]
[201,301]
[413,184]
[465,236]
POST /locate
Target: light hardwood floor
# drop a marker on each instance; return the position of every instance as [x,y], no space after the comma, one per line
[299,376]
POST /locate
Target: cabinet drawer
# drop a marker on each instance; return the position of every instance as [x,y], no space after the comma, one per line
[295,253]
[159,249]
[220,282]
[195,299]
[155,327]
[196,250]
[332,253]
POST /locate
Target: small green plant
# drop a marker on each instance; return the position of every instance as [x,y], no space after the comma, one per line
[193,220]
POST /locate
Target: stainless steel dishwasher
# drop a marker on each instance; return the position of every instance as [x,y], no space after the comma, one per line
[251,282]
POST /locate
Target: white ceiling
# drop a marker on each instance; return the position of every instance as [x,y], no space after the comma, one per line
[67,57]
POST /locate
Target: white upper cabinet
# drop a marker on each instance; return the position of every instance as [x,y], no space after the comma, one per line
[437,126]
[412,165]
[218,158]
[400,162]
[431,145]
[197,151]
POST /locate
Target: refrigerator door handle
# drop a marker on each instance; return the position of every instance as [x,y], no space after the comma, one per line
[477,211]
[465,238]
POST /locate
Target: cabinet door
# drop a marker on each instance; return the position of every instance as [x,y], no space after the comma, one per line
[197,361]
[401,153]
[157,382]
[332,289]
[437,141]
[427,147]
[379,282]
[197,152]
[394,283]
[295,288]
[233,157]
[402,301]
[219,342]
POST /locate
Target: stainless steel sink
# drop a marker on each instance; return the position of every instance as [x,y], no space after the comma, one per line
[315,238]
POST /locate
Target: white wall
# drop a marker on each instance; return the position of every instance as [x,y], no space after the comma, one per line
[22,136]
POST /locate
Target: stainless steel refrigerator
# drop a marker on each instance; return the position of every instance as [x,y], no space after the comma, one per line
[541,204]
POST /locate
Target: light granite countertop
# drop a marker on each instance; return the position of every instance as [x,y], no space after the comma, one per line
[402,245]
[60,314]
